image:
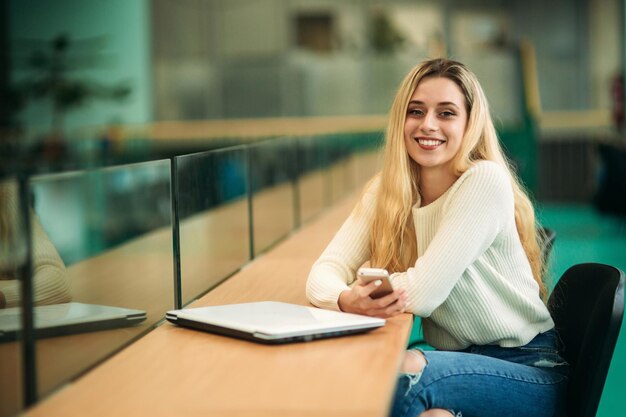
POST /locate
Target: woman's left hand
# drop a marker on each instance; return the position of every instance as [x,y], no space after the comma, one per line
[357,300]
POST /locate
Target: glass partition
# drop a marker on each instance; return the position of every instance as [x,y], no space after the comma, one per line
[340,175]
[102,241]
[103,249]
[331,167]
[353,161]
[213,210]
[342,181]
[272,175]
[13,253]
[313,178]
[366,165]
[367,155]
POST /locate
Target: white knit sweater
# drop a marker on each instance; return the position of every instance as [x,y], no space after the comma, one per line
[472,282]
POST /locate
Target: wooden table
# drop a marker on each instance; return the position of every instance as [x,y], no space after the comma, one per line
[177,371]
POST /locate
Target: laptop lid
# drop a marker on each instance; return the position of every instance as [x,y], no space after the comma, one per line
[68,318]
[273,322]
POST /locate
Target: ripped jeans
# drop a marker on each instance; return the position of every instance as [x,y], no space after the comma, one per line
[485,381]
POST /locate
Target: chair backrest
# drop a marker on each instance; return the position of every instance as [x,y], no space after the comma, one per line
[587,306]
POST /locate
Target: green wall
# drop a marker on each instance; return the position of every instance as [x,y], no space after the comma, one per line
[125,27]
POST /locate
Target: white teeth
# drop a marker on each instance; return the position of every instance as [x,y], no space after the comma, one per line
[429,142]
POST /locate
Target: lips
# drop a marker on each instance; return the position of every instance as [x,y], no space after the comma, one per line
[429,143]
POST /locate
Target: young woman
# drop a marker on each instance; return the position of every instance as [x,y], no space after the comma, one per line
[450,221]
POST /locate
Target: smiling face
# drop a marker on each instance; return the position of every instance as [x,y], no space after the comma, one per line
[435,123]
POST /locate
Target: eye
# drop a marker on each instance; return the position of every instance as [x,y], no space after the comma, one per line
[415,112]
[447,114]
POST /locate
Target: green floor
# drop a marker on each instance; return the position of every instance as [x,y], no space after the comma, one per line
[582,235]
[585,236]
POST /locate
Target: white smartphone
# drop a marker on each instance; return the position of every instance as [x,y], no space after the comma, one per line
[368,275]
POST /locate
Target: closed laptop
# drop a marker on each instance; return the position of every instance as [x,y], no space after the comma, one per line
[273,322]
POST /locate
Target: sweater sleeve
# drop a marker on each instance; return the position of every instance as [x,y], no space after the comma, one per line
[336,268]
[479,206]
[50,284]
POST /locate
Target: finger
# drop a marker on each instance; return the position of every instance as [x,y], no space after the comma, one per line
[362,292]
[386,311]
[400,306]
[381,307]
[389,299]
[370,287]
[395,309]
[403,301]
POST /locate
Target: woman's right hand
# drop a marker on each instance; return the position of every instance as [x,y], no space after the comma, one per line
[357,300]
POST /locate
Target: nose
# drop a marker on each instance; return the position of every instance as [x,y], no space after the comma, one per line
[429,122]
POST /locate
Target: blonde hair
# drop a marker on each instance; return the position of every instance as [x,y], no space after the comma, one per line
[392,243]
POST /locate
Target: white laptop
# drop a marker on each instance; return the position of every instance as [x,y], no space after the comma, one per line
[68,318]
[273,322]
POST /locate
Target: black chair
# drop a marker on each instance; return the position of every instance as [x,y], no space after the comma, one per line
[587,306]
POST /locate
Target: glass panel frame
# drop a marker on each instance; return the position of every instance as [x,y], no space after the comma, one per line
[213,217]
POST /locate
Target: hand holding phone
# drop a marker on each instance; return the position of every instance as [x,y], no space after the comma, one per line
[367,275]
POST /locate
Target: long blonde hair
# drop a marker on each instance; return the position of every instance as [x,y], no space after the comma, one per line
[392,243]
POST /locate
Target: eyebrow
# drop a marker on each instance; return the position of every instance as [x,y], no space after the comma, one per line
[443,103]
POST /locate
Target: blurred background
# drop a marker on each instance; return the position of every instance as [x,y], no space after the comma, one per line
[93,85]
[93,82]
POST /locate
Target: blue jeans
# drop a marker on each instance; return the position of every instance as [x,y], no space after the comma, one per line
[485,381]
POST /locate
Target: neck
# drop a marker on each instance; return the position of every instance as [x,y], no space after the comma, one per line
[434,182]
